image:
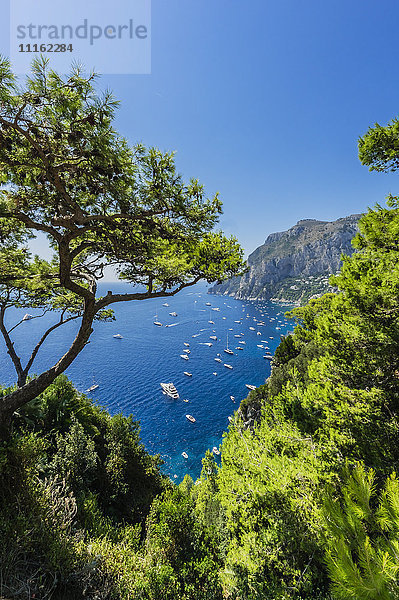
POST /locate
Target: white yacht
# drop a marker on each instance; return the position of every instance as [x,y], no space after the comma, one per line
[208,304]
[190,418]
[227,366]
[216,450]
[187,373]
[156,322]
[213,337]
[250,387]
[227,349]
[173,314]
[252,328]
[184,454]
[218,359]
[268,357]
[186,344]
[27,317]
[170,390]
[118,336]
[165,304]
[92,388]
[184,356]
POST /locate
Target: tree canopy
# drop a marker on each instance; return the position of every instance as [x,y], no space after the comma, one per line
[67,174]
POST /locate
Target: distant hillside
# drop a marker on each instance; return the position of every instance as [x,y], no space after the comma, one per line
[294,265]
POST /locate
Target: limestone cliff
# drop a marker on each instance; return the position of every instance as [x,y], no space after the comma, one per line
[294,265]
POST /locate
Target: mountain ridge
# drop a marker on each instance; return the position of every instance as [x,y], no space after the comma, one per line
[293,266]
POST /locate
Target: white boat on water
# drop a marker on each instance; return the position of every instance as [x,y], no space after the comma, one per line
[214,373]
[216,450]
[227,349]
[27,317]
[239,348]
[208,304]
[195,335]
[218,359]
[186,344]
[268,357]
[184,356]
[184,454]
[250,387]
[170,390]
[206,344]
[213,337]
[118,336]
[165,304]
[158,323]
[187,373]
[227,366]
[252,328]
[232,398]
[190,418]
[173,314]
[92,388]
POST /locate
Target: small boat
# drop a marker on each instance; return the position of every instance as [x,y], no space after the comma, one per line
[118,336]
[237,335]
[214,373]
[258,333]
[230,419]
[232,398]
[165,304]
[239,348]
[170,390]
[190,418]
[208,304]
[259,345]
[268,357]
[185,400]
[216,450]
[27,317]
[187,373]
[186,351]
[250,387]
[217,309]
[252,328]
[227,349]
[173,314]
[213,337]
[186,344]
[242,342]
[211,322]
[237,321]
[184,454]
[195,335]
[184,356]
[218,359]
[158,323]
[227,366]
[92,388]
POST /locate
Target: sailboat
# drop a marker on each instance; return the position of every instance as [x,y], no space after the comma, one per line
[227,349]
[156,322]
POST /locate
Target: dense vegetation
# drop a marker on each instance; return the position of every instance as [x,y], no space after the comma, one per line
[305,504]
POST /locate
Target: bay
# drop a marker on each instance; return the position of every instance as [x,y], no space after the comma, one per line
[129,370]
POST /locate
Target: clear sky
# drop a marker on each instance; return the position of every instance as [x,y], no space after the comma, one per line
[264,100]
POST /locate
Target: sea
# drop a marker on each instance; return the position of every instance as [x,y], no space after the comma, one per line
[128,370]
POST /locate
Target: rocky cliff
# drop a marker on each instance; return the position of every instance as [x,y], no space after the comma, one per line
[294,265]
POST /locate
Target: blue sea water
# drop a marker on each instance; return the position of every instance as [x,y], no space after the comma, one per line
[129,371]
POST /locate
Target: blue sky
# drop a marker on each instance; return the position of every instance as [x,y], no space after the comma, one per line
[264,101]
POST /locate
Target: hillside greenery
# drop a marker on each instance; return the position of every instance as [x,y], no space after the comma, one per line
[305,505]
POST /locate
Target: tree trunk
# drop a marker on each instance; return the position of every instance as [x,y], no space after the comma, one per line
[10,403]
